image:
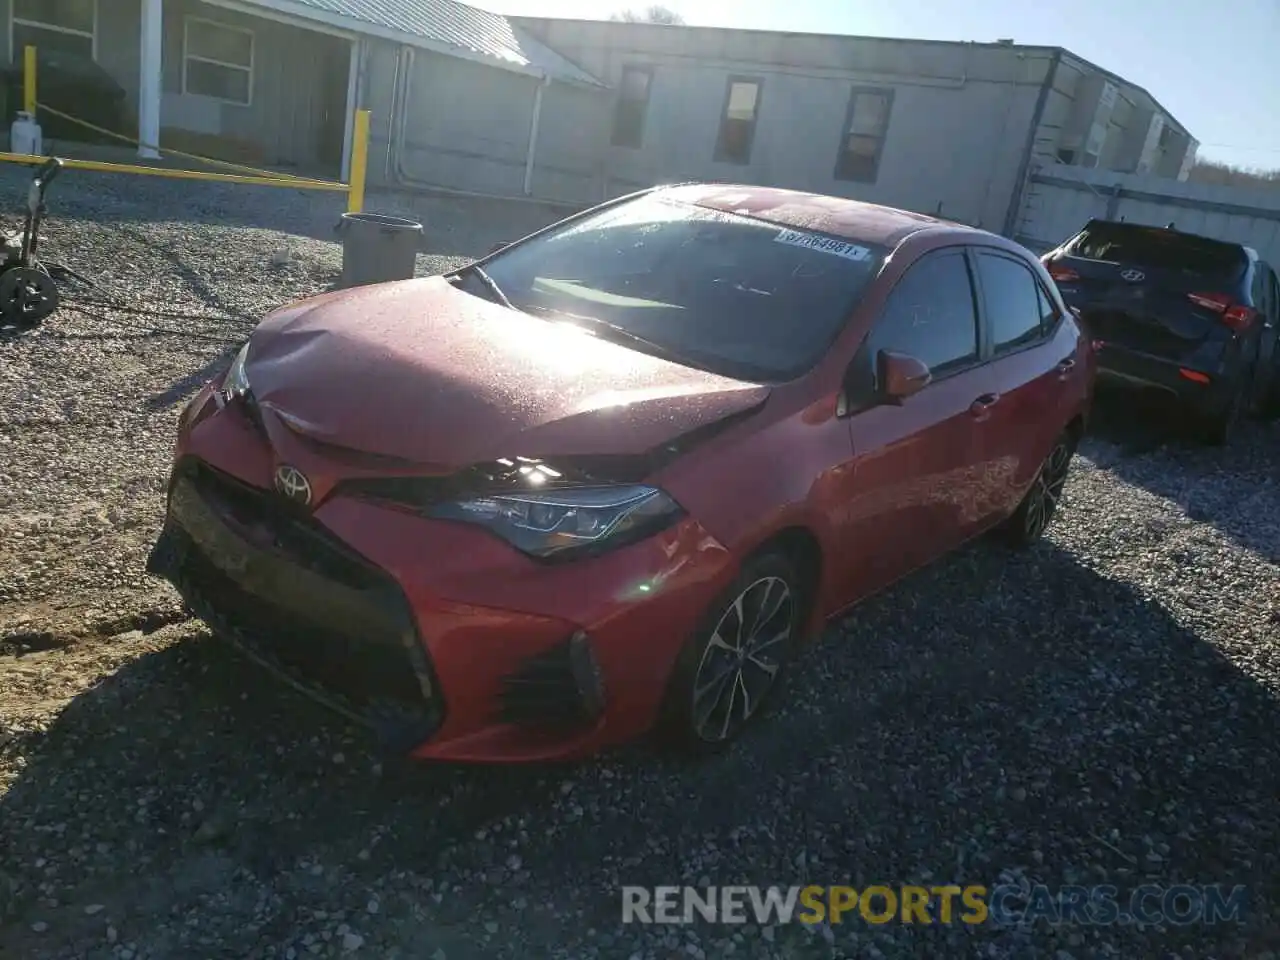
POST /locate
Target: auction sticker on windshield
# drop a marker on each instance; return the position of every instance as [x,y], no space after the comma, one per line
[814,241]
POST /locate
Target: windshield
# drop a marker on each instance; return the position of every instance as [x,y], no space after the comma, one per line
[726,293]
[1159,248]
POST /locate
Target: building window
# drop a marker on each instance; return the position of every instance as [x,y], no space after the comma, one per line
[217,61]
[738,124]
[633,104]
[865,126]
[66,26]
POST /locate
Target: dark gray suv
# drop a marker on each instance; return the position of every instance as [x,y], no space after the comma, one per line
[1192,316]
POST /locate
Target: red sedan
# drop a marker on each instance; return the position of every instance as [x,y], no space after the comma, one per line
[611,478]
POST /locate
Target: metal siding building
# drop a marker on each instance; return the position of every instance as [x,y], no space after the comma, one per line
[477,102]
[956,125]
[438,121]
[965,121]
[466,110]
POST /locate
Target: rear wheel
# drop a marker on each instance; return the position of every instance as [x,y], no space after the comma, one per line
[1040,505]
[729,671]
[1269,404]
[1218,427]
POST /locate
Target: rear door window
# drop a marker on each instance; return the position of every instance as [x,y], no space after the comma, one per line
[1015,304]
[1159,248]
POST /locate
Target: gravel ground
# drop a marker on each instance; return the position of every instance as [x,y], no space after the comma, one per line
[1102,709]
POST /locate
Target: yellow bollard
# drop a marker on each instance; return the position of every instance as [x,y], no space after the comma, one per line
[359,162]
[29,80]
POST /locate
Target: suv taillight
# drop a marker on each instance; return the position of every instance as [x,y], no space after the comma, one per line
[1237,316]
[1062,274]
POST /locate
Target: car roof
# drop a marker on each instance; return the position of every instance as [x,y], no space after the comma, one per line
[838,216]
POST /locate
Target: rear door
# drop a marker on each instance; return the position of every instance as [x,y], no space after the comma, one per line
[1030,377]
[1150,289]
[915,478]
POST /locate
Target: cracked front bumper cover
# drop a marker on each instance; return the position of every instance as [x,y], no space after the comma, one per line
[296,602]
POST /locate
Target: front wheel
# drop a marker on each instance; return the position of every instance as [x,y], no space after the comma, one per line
[1038,507]
[729,670]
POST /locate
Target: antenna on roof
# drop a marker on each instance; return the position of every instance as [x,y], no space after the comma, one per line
[1171,226]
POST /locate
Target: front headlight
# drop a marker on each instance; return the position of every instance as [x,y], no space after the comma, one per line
[566,520]
[236,383]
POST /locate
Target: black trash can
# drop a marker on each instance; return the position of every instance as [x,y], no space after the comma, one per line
[377,248]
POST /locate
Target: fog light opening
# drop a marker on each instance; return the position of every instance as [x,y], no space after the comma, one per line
[587,675]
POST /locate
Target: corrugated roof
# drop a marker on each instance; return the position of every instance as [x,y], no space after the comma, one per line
[469,29]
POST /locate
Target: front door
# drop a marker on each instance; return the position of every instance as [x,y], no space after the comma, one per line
[914,463]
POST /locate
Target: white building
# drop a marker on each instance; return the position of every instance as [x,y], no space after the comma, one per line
[576,111]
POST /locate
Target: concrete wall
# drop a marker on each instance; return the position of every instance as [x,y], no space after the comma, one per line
[465,126]
[955,139]
[1062,198]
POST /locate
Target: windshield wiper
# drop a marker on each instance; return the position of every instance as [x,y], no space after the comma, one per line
[489,284]
[615,332]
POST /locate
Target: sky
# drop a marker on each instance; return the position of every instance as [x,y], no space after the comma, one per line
[1213,64]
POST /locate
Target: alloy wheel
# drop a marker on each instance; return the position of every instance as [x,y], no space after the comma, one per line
[1047,492]
[742,658]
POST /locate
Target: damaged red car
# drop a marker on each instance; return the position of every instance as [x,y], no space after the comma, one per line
[610,479]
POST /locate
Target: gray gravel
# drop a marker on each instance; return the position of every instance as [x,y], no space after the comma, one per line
[1102,709]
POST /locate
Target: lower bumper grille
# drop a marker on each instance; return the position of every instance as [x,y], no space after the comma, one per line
[559,688]
[330,624]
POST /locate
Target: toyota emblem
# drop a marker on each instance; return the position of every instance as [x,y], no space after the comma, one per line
[1133,276]
[292,483]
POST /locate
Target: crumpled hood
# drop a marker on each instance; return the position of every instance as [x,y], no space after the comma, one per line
[423,372]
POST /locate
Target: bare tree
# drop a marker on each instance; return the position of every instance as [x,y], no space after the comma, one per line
[653,14]
[1230,175]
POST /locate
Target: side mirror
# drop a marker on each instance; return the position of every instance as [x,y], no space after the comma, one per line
[901,376]
[499,246]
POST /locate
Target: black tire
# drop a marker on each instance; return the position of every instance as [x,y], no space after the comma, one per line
[733,652]
[1040,504]
[1269,405]
[1215,429]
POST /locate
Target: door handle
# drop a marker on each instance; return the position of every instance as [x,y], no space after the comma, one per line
[981,408]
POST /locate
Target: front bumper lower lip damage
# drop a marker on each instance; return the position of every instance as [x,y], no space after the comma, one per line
[299,602]
[396,735]
[334,629]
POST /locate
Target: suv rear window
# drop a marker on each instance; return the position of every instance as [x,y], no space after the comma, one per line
[1159,248]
